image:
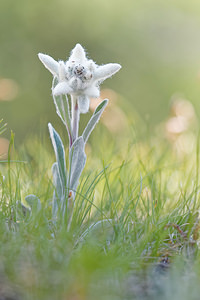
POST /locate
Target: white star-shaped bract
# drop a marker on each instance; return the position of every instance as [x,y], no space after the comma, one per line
[78,76]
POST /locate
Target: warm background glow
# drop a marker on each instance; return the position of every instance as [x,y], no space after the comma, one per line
[156,42]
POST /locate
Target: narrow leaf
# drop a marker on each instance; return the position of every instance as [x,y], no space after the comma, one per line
[57,180]
[94,119]
[11,146]
[77,162]
[49,63]
[59,152]
[58,191]
[106,71]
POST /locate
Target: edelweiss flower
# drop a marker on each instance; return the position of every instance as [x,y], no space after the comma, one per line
[78,76]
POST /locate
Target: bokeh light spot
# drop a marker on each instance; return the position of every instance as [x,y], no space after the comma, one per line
[4,145]
[8,89]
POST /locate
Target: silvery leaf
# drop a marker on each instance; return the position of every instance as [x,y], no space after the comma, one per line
[83,104]
[34,202]
[62,88]
[62,108]
[77,162]
[94,119]
[106,71]
[49,63]
[58,192]
[57,181]
[22,210]
[78,54]
[93,91]
[59,152]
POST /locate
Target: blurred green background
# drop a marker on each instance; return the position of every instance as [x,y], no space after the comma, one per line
[156,42]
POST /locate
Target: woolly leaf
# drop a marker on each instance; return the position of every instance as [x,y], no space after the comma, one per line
[34,202]
[83,104]
[49,63]
[94,119]
[22,210]
[106,71]
[58,191]
[77,162]
[59,153]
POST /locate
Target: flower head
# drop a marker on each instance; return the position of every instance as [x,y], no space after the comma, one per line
[78,76]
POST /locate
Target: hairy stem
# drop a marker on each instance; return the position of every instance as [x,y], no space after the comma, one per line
[75,114]
[67,120]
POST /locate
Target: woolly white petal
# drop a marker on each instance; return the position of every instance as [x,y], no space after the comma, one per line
[49,63]
[61,70]
[78,54]
[93,91]
[62,88]
[83,104]
[106,71]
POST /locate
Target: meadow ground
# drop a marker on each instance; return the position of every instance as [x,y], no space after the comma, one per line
[135,227]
